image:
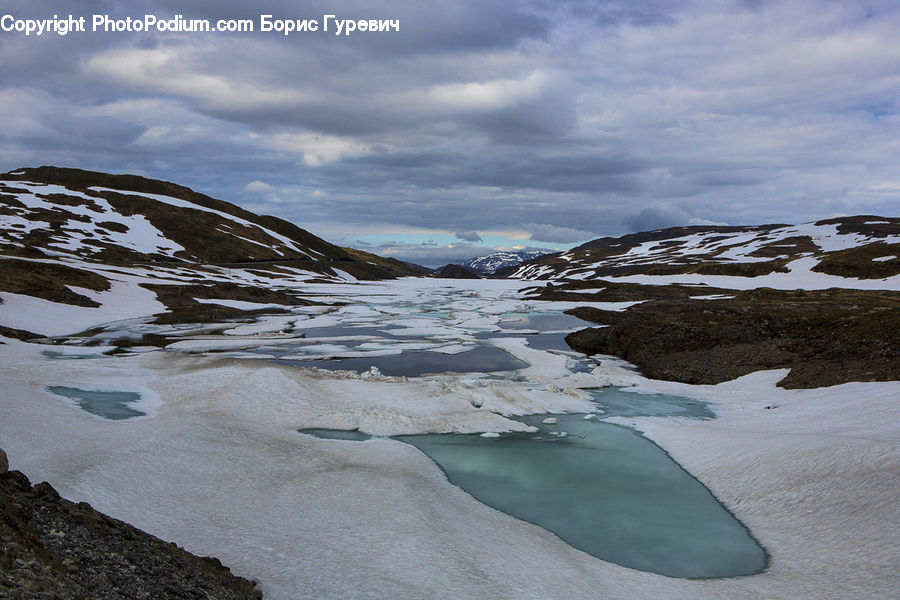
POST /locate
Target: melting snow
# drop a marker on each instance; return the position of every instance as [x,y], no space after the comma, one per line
[811,478]
[185,204]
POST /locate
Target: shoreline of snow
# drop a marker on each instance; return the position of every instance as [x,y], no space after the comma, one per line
[811,478]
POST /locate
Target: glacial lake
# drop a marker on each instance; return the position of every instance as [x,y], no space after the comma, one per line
[600,487]
[109,405]
[414,363]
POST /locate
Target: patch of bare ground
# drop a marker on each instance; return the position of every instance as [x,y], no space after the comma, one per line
[184,308]
[862,262]
[871,225]
[825,337]
[49,281]
[18,334]
[789,246]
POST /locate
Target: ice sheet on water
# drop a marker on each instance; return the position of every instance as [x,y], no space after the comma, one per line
[240,304]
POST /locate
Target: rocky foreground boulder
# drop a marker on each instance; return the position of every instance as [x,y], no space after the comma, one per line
[53,548]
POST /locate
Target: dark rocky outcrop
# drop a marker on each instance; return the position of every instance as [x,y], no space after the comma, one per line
[53,548]
[826,337]
[456,272]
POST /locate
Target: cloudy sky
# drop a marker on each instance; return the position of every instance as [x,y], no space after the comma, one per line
[539,123]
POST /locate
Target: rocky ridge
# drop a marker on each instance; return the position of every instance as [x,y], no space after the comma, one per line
[865,246]
[126,219]
[53,548]
[704,309]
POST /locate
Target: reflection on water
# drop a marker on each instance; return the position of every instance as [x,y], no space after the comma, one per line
[413,363]
[348,330]
[544,322]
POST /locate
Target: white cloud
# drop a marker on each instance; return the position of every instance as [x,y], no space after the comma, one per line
[317,149]
[580,115]
[258,187]
[488,95]
[186,70]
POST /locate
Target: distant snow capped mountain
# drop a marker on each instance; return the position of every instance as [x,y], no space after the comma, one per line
[863,246]
[491,263]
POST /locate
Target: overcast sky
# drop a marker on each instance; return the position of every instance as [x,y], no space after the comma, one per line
[540,123]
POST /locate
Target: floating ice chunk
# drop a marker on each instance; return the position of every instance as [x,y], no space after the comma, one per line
[240,304]
[140,349]
[373,372]
[378,346]
[264,325]
[453,348]
[589,416]
[549,421]
[324,349]
[490,434]
[594,290]
[247,355]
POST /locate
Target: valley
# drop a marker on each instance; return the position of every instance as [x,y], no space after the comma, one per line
[329,421]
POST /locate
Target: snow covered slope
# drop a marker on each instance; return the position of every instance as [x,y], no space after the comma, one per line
[124,219]
[79,249]
[859,247]
[491,263]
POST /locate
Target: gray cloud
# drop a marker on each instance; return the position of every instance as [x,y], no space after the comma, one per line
[660,217]
[656,217]
[469,236]
[552,233]
[578,117]
[431,255]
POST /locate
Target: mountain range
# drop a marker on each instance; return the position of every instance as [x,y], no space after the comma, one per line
[489,264]
[863,246]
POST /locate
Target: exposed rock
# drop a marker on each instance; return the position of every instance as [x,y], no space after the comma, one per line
[456,272]
[826,337]
[53,548]
[4,462]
